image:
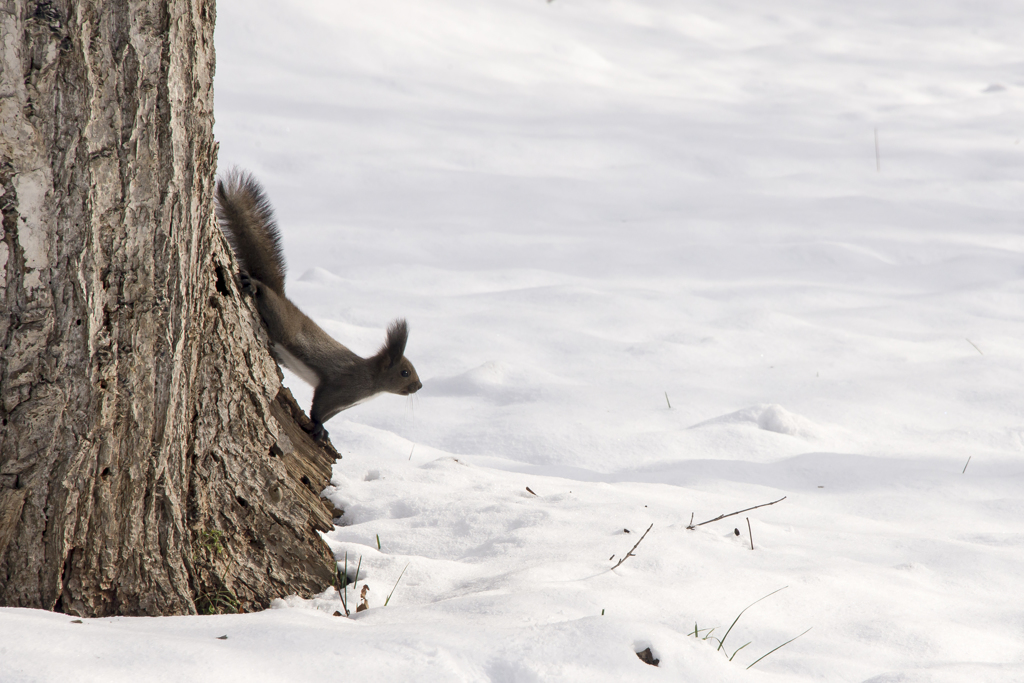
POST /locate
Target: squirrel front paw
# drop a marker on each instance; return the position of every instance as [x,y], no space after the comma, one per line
[248,286]
[318,432]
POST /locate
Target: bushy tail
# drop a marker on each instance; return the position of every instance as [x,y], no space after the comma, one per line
[247,219]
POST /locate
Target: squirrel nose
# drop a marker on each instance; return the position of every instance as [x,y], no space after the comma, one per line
[415,386]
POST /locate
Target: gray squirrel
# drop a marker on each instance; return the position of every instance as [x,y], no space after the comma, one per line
[340,378]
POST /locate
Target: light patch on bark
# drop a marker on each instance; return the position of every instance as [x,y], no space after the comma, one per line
[33,233]
[3,262]
[9,44]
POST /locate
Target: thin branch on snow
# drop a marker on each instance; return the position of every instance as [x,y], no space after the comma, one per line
[630,553]
[694,526]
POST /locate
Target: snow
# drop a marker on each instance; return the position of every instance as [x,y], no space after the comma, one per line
[588,211]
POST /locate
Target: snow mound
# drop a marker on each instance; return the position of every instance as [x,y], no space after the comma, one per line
[769,417]
[499,381]
[327,601]
[319,276]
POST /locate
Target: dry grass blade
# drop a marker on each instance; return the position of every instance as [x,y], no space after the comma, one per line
[721,643]
[778,648]
[388,599]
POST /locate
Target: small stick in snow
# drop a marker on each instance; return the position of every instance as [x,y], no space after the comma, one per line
[878,160]
[750,533]
[967,463]
[667,401]
[410,452]
[694,526]
[530,490]
[690,525]
[630,553]
[974,345]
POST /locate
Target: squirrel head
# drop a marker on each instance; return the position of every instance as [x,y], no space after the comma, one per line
[395,374]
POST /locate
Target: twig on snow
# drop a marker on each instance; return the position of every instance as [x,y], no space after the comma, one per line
[750,533]
[630,553]
[694,526]
[974,345]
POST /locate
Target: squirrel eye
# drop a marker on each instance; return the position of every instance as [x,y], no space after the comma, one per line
[405,373]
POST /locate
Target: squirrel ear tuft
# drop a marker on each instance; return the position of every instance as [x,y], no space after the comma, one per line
[394,346]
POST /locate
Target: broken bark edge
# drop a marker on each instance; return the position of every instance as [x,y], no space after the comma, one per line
[307,460]
[279,539]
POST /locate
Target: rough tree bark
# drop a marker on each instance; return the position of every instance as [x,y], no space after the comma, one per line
[148,464]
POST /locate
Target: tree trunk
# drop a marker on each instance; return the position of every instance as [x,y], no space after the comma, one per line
[148,464]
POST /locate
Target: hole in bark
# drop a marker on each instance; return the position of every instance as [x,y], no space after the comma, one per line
[222,281]
[78,322]
[103,384]
[5,422]
[242,501]
[307,482]
[46,12]
[105,472]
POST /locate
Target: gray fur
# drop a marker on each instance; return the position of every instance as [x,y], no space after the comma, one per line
[340,378]
[247,219]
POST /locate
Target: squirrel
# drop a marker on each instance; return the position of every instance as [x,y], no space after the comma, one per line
[340,378]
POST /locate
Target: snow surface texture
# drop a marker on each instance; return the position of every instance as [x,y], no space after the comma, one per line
[583,207]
